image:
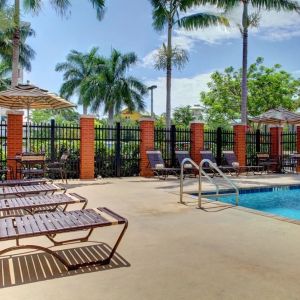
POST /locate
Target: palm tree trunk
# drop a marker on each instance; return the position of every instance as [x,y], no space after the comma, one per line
[111,116]
[85,109]
[169,75]
[245,64]
[16,45]
[111,121]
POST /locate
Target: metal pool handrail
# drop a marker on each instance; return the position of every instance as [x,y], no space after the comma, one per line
[201,173]
[215,167]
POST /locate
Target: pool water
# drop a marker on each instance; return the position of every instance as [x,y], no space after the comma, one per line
[283,201]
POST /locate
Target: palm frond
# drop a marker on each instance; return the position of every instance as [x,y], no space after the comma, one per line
[276,5]
[202,20]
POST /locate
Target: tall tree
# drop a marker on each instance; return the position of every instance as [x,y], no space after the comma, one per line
[6,45]
[113,88]
[5,70]
[77,69]
[6,16]
[61,6]
[247,21]
[166,13]
[268,88]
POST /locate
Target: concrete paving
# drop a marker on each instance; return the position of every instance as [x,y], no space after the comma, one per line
[170,251]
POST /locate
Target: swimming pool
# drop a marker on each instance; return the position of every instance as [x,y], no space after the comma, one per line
[283,201]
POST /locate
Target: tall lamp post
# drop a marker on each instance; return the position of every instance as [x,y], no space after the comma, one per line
[151,88]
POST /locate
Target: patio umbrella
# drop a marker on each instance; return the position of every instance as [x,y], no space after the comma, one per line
[26,96]
[277,116]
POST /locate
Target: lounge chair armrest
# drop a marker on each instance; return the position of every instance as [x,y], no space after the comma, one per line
[119,218]
[60,187]
[80,198]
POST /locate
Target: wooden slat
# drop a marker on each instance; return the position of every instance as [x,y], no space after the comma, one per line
[51,223]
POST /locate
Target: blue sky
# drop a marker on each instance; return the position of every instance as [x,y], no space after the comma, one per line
[127,26]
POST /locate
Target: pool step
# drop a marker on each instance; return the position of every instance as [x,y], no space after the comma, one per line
[218,195]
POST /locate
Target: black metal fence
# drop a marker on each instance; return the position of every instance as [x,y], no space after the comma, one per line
[218,141]
[257,142]
[288,142]
[117,151]
[169,140]
[117,148]
[3,142]
[54,140]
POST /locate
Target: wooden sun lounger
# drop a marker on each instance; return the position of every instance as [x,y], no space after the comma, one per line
[51,224]
[15,182]
[21,191]
[41,203]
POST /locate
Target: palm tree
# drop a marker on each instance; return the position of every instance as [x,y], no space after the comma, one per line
[248,21]
[61,6]
[6,16]
[78,68]
[5,70]
[113,88]
[166,13]
[26,52]
[179,58]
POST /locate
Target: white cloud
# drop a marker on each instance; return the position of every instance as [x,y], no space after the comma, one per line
[185,91]
[273,26]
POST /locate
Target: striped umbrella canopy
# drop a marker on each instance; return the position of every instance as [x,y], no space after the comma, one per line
[277,116]
[27,96]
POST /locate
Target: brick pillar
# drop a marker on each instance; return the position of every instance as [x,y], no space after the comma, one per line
[197,140]
[276,134]
[87,148]
[147,143]
[240,143]
[14,137]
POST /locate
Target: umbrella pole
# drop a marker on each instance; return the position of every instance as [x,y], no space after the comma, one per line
[28,131]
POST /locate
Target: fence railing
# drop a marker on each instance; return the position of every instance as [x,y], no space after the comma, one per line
[257,142]
[3,142]
[117,148]
[218,141]
[117,151]
[54,140]
[288,142]
[169,140]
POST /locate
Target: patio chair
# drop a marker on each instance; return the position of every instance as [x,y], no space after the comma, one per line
[289,162]
[233,165]
[23,190]
[4,171]
[269,164]
[188,167]
[207,154]
[40,203]
[19,182]
[158,167]
[32,165]
[59,167]
[50,225]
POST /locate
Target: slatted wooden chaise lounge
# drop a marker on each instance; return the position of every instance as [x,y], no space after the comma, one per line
[16,182]
[55,223]
[39,203]
[24,190]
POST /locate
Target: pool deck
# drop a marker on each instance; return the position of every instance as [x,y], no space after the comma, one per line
[170,251]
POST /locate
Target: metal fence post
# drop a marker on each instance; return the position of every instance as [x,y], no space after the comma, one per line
[118,149]
[257,148]
[219,146]
[52,141]
[173,145]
